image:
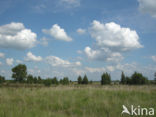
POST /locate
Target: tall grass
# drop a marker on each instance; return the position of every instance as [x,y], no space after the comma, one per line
[73,101]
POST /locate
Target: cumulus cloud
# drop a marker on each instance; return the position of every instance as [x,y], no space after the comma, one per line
[2,55]
[148,6]
[81,31]
[153,58]
[58,33]
[15,35]
[9,61]
[56,61]
[31,57]
[111,41]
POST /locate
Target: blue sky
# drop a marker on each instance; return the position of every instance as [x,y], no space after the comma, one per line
[76,37]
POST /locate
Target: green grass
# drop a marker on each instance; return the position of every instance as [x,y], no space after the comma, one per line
[73,101]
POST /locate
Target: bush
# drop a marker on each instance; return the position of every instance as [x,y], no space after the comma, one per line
[105,78]
[47,82]
[2,79]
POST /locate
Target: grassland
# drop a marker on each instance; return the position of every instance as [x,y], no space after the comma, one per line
[73,100]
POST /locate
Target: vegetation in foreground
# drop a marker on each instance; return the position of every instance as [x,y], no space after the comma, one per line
[74,100]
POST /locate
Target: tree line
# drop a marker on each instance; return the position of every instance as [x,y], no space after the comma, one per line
[19,74]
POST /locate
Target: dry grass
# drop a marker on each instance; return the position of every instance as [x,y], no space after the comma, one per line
[73,100]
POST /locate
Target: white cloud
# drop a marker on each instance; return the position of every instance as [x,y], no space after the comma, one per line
[9,61]
[58,33]
[81,31]
[56,61]
[2,55]
[111,41]
[70,3]
[31,57]
[44,41]
[153,58]
[100,69]
[15,35]
[148,6]
[92,70]
[0,63]
[19,61]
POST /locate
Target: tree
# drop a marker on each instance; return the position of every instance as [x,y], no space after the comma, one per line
[47,82]
[79,79]
[35,80]
[105,78]
[2,79]
[19,72]
[138,78]
[64,81]
[39,79]
[123,78]
[55,81]
[30,79]
[85,80]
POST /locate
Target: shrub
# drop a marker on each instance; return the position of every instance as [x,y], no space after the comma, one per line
[2,79]
[47,82]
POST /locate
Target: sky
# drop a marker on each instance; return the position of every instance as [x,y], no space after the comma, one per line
[77,37]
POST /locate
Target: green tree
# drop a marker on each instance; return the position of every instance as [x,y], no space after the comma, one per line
[85,80]
[30,79]
[39,80]
[2,79]
[47,82]
[35,80]
[79,80]
[55,81]
[64,81]
[138,78]
[123,78]
[105,78]
[19,73]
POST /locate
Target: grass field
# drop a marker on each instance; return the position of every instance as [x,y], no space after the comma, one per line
[74,100]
